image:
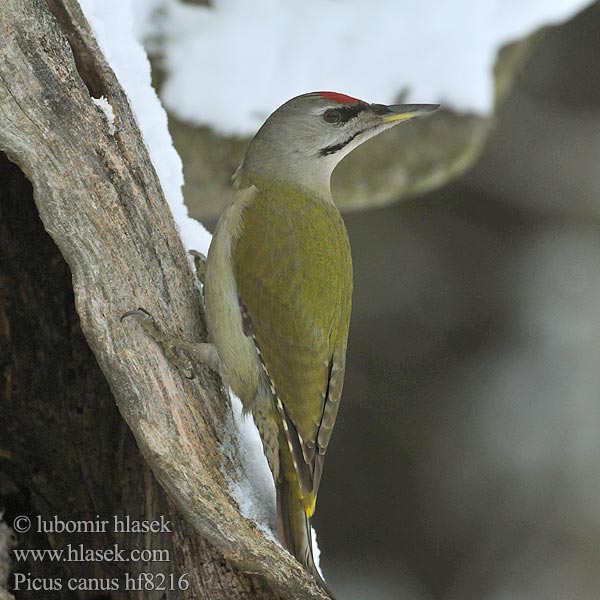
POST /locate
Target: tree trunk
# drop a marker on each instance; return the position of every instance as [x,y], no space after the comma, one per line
[68,363]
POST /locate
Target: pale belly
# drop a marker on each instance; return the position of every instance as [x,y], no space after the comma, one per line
[241,366]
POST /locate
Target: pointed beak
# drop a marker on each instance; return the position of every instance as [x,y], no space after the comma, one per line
[402,112]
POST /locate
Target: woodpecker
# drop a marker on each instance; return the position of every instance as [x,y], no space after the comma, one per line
[278,290]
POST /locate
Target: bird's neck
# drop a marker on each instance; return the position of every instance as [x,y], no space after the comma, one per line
[282,188]
[314,177]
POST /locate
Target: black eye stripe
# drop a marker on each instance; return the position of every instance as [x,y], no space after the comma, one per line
[343,114]
[350,111]
[346,113]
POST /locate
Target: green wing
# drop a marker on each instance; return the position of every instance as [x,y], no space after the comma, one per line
[294,278]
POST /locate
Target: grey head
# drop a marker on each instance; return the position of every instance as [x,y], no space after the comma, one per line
[305,138]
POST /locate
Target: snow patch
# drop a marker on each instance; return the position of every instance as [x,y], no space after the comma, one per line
[109,115]
[253,488]
[229,65]
[113,25]
[316,551]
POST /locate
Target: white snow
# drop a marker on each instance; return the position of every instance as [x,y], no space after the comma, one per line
[231,64]
[253,488]
[109,114]
[112,22]
[316,552]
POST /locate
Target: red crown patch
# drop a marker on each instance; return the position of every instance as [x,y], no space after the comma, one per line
[341,98]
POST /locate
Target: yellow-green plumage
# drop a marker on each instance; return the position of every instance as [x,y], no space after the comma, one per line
[293,273]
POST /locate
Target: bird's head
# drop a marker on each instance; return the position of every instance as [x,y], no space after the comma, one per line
[305,138]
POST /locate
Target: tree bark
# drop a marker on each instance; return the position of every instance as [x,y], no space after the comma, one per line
[66,358]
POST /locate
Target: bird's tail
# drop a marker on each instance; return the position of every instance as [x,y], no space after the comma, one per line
[294,527]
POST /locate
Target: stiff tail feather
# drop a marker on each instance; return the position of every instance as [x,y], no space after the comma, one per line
[294,529]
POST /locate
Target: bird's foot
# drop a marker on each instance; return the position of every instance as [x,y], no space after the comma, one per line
[181,353]
[199,264]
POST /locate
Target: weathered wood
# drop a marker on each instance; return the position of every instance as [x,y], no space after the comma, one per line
[65,451]
[100,200]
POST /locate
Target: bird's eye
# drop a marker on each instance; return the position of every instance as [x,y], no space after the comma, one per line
[332,116]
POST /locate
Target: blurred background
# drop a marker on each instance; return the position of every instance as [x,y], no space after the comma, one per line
[466,457]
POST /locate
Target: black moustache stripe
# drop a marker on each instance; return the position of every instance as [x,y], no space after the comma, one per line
[337,147]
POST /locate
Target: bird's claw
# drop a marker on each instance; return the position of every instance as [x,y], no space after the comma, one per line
[138,312]
[199,264]
[174,349]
